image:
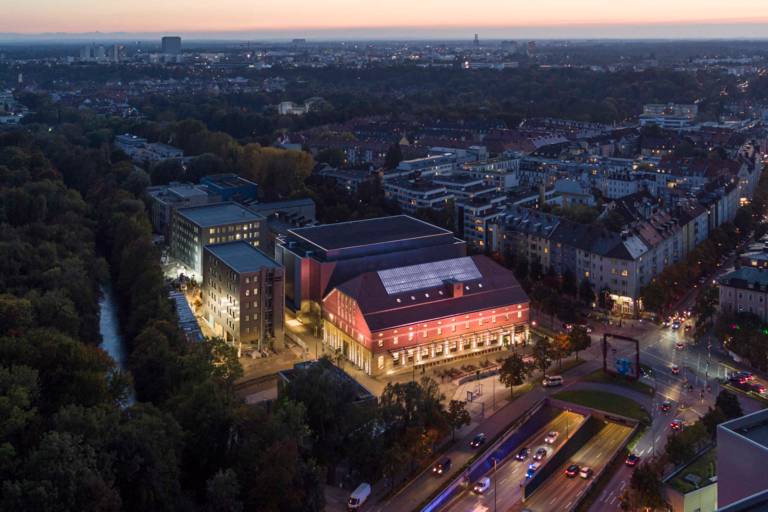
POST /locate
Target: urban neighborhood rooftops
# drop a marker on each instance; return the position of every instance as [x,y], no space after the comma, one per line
[218,214]
[241,256]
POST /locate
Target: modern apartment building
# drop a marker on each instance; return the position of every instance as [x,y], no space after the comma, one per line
[243,294]
[195,227]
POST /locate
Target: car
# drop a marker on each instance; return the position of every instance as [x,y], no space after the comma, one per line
[679,345]
[742,375]
[551,437]
[666,323]
[540,454]
[676,324]
[675,369]
[688,327]
[632,460]
[482,485]
[523,453]
[442,466]
[677,425]
[532,469]
[757,388]
[572,471]
[585,472]
[568,327]
[665,406]
[478,440]
[551,381]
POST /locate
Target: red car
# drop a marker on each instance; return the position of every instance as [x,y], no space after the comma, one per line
[632,460]
[677,425]
[572,471]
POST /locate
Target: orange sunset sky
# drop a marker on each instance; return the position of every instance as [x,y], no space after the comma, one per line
[36,16]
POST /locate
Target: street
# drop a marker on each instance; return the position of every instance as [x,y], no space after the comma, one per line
[510,473]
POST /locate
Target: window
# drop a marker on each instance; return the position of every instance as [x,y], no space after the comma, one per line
[381,362]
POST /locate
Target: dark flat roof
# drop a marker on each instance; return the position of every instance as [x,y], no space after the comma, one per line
[359,233]
[241,256]
[218,214]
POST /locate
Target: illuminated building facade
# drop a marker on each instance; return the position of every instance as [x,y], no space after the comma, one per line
[425,314]
[243,294]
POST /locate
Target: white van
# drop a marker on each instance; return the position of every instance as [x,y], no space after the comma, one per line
[550,381]
[358,496]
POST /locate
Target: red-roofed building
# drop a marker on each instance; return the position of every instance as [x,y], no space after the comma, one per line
[425,314]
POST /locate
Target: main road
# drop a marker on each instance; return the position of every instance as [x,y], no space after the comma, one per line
[510,474]
[560,492]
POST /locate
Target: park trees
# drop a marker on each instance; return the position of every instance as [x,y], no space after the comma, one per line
[457,416]
[513,372]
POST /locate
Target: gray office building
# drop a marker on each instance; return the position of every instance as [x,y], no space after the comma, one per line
[742,454]
[243,295]
[195,227]
[171,45]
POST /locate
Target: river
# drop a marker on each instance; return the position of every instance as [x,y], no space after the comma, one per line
[109,327]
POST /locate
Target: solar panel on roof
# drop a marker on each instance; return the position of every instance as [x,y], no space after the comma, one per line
[428,275]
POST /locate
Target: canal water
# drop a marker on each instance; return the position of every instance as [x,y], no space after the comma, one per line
[109,326]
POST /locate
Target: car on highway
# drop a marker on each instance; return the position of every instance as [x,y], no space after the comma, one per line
[665,406]
[585,472]
[742,376]
[551,437]
[679,345]
[540,454]
[532,469]
[482,485]
[688,327]
[523,453]
[632,460]
[572,471]
[478,440]
[675,369]
[676,324]
[677,425]
[442,466]
[757,388]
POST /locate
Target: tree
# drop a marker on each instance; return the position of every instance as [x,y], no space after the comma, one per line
[222,493]
[645,489]
[586,291]
[561,347]
[729,404]
[332,156]
[513,372]
[579,340]
[542,354]
[393,157]
[569,283]
[457,416]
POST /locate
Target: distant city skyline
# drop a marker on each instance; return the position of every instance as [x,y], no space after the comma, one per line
[396,19]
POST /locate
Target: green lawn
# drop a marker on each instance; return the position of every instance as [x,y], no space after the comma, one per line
[609,378]
[608,402]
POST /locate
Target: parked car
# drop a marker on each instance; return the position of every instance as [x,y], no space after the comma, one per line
[482,485]
[442,466]
[523,453]
[631,460]
[551,437]
[540,454]
[551,381]
[585,472]
[572,471]
[478,440]
[358,497]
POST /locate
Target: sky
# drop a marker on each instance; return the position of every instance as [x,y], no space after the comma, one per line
[393,18]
